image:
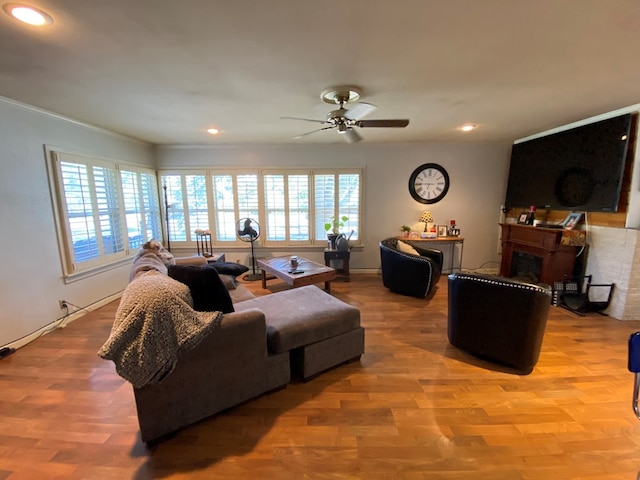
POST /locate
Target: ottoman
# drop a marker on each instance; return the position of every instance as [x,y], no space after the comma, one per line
[319,331]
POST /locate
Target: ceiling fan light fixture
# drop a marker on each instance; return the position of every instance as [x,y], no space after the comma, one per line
[338,95]
[27,14]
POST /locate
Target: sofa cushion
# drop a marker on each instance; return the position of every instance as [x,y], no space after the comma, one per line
[229,268]
[302,316]
[207,289]
[240,294]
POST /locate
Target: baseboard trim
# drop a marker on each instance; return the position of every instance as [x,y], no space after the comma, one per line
[64,321]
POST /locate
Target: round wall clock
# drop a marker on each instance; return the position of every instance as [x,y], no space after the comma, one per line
[574,187]
[429,183]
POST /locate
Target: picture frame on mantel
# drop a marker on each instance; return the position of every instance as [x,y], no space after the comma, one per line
[571,221]
[442,231]
[522,219]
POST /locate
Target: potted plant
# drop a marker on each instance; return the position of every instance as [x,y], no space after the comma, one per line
[405,229]
[332,227]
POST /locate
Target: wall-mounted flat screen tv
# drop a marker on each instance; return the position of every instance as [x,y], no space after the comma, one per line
[578,169]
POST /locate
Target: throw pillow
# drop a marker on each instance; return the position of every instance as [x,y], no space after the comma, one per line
[207,289]
[229,281]
[406,248]
[229,268]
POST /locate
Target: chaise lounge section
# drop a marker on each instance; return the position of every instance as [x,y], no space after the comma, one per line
[255,349]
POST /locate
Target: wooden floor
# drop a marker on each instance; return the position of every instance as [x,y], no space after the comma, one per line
[413,408]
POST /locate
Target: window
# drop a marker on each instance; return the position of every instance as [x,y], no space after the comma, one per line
[287,207]
[291,207]
[188,209]
[337,196]
[104,211]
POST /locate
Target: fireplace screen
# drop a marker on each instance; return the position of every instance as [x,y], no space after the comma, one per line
[526,267]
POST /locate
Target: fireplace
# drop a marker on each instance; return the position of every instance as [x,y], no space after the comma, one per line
[526,267]
[538,254]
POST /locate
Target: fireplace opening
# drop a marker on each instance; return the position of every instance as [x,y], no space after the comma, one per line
[526,267]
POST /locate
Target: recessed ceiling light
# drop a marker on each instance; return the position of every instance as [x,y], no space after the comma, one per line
[213,131]
[27,14]
[467,127]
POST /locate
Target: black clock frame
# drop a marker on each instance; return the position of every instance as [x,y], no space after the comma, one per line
[412,183]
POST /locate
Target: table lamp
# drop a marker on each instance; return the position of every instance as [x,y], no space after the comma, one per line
[426,218]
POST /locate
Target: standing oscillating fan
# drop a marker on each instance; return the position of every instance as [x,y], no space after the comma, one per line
[249,231]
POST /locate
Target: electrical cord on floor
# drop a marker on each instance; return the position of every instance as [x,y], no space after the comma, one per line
[57,323]
[481,266]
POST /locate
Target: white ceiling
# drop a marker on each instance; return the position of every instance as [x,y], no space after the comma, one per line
[164,71]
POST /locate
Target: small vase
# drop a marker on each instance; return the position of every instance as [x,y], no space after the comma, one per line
[331,237]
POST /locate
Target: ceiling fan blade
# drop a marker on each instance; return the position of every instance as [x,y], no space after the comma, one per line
[312,131]
[399,123]
[351,136]
[360,110]
[303,119]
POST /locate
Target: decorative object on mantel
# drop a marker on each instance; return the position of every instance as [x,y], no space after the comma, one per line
[571,221]
[527,218]
[442,231]
[405,229]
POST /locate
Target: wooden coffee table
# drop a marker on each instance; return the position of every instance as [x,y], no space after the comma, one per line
[310,272]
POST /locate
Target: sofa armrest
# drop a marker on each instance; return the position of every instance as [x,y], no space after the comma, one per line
[229,366]
[193,260]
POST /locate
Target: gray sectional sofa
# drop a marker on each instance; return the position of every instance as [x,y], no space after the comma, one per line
[255,349]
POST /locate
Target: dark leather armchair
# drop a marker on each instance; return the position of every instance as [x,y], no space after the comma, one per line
[413,275]
[499,319]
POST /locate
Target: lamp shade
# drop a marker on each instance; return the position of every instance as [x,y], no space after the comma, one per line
[426,217]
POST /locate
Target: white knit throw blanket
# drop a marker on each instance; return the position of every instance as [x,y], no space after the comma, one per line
[155,320]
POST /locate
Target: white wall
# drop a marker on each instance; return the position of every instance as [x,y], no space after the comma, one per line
[613,257]
[478,175]
[31,281]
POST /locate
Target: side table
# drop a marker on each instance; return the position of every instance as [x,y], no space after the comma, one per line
[339,255]
[216,257]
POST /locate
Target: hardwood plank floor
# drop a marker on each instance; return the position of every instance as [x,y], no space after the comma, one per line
[413,408]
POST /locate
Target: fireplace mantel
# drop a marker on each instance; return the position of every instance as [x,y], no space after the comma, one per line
[556,249]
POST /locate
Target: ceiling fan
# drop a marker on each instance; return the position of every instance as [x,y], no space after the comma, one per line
[343,120]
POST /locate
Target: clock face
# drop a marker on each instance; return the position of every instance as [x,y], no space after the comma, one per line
[429,183]
[574,187]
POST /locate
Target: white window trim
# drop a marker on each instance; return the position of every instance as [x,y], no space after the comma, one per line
[73,272]
[261,172]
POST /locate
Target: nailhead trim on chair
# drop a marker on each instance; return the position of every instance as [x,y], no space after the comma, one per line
[503,283]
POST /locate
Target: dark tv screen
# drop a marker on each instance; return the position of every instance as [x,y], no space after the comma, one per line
[578,169]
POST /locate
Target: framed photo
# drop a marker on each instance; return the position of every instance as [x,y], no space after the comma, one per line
[522,219]
[571,221]
[442,230]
